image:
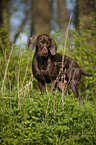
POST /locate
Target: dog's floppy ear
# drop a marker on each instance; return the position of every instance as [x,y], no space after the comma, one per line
[53,47]
[32,42]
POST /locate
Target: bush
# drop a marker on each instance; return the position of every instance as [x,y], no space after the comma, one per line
[42,119]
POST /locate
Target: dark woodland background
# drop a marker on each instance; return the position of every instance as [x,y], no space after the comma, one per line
[47,16]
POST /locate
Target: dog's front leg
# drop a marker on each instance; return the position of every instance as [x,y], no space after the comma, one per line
[41,86]
[53,85]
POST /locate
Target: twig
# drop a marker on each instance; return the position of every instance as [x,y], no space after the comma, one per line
[67,30]
[32,80]
[10,88]
[54,108]
[26,71]
[0,71]
[6,70]
[25,86]
[47,107]
[20,98]
[20,56]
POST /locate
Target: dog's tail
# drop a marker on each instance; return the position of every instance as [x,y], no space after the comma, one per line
[86,74]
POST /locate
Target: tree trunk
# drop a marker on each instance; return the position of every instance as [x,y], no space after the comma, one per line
[4,11]
[62,16]
[4,22]
[41,15]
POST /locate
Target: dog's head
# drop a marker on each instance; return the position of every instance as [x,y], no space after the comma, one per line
[43,43]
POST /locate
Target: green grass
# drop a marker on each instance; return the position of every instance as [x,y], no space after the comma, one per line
[42,119]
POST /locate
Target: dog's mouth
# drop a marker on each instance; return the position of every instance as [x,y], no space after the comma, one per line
[45,54]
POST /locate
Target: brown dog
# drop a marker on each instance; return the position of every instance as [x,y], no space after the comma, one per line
[47,63]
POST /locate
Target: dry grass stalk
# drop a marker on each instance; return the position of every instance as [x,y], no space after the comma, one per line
[10,88]
[0,71]
[26,71]
[32,81]
[47,107]
[4,53]
[19,60]
[67,30]
[54,108]
[6,70]
[31,78]
[25,86]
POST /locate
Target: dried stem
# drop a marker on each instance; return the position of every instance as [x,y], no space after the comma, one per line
[25,86]
[54,108]
[0,71]
[26,70]
[47,107]
[10,88]
[67,30]
[6,70]
[20,56]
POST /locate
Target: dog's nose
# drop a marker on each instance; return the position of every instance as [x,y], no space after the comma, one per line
[45,50]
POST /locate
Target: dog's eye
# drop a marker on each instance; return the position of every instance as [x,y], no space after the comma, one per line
[48,44]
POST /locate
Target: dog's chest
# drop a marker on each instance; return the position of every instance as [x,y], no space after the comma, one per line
[44,63]
[47,68]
